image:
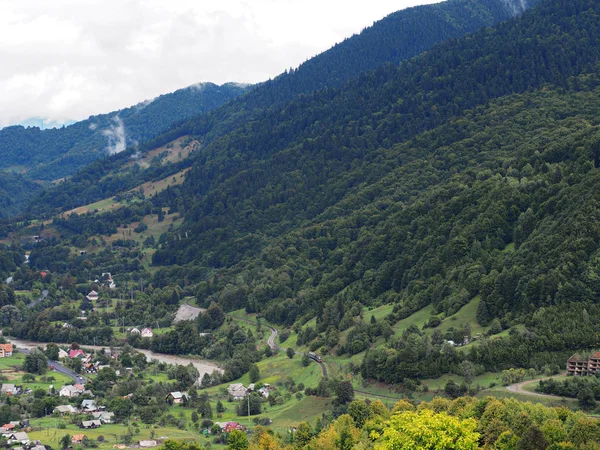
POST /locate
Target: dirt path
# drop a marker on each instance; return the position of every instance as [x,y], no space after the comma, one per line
[517,388]
[271,341]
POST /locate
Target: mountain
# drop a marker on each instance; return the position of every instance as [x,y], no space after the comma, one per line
[397,37]
[52,154]
[465,177]
[455,193]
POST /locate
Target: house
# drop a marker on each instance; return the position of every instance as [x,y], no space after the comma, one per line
[237,391]
[148,443]
[251,387]
[8,428]
[88,406]
[10,389]
[584,365]
[104,416]
[93,295]
[147,332]
[20,437]
[87,424]
[71,391]
[6,350]
[78,353]
[227,427]
[134,331]
[78,438]
[175,397]
[65,409]
[37,447]
[263,392]
[62,353]
[90,368]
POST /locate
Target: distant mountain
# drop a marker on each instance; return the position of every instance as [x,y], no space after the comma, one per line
[44,124]
[55,153]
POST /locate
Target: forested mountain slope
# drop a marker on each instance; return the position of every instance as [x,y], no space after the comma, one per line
[55,153]
[395,38]
[399,36]
[271,174]
[467,175]
[15,193]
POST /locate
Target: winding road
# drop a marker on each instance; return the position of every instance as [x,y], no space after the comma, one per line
[208,367]
[517,388]
[77,379]
[271,341]
[274,346]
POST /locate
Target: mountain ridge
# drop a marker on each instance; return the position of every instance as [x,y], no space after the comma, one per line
[54,153]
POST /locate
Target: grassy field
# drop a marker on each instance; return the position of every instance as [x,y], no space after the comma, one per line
[417,319]
[172,152]
[467,313]
[482,380]
[155,229]
[10,368]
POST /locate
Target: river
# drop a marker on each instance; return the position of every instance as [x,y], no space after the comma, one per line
[202,365]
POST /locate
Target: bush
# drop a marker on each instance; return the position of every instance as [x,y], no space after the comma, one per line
[284,335]
[206,423]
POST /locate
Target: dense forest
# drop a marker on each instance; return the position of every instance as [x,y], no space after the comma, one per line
[370,207]
[397,37]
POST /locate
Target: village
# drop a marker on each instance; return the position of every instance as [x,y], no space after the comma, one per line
[123,400]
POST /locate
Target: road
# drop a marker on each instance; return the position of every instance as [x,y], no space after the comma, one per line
[517,388]
[271,341]
[77,379]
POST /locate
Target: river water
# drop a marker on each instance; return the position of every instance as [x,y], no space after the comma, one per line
[202,365]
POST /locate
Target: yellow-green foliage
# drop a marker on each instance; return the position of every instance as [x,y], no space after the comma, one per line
[463,423]
[426,429]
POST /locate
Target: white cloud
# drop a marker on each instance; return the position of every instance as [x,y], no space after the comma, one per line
[117,138]
[69,59]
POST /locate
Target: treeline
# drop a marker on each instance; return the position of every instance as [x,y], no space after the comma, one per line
[585,389]
[462,424]
[550,338]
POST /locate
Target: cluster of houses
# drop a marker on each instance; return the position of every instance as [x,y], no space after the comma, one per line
[228,427]
[89,408]
[238,391]
[18,439]
[145,332]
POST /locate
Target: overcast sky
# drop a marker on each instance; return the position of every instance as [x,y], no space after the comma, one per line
[68,59]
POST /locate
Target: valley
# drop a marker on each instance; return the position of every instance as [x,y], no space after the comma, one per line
[394,245]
